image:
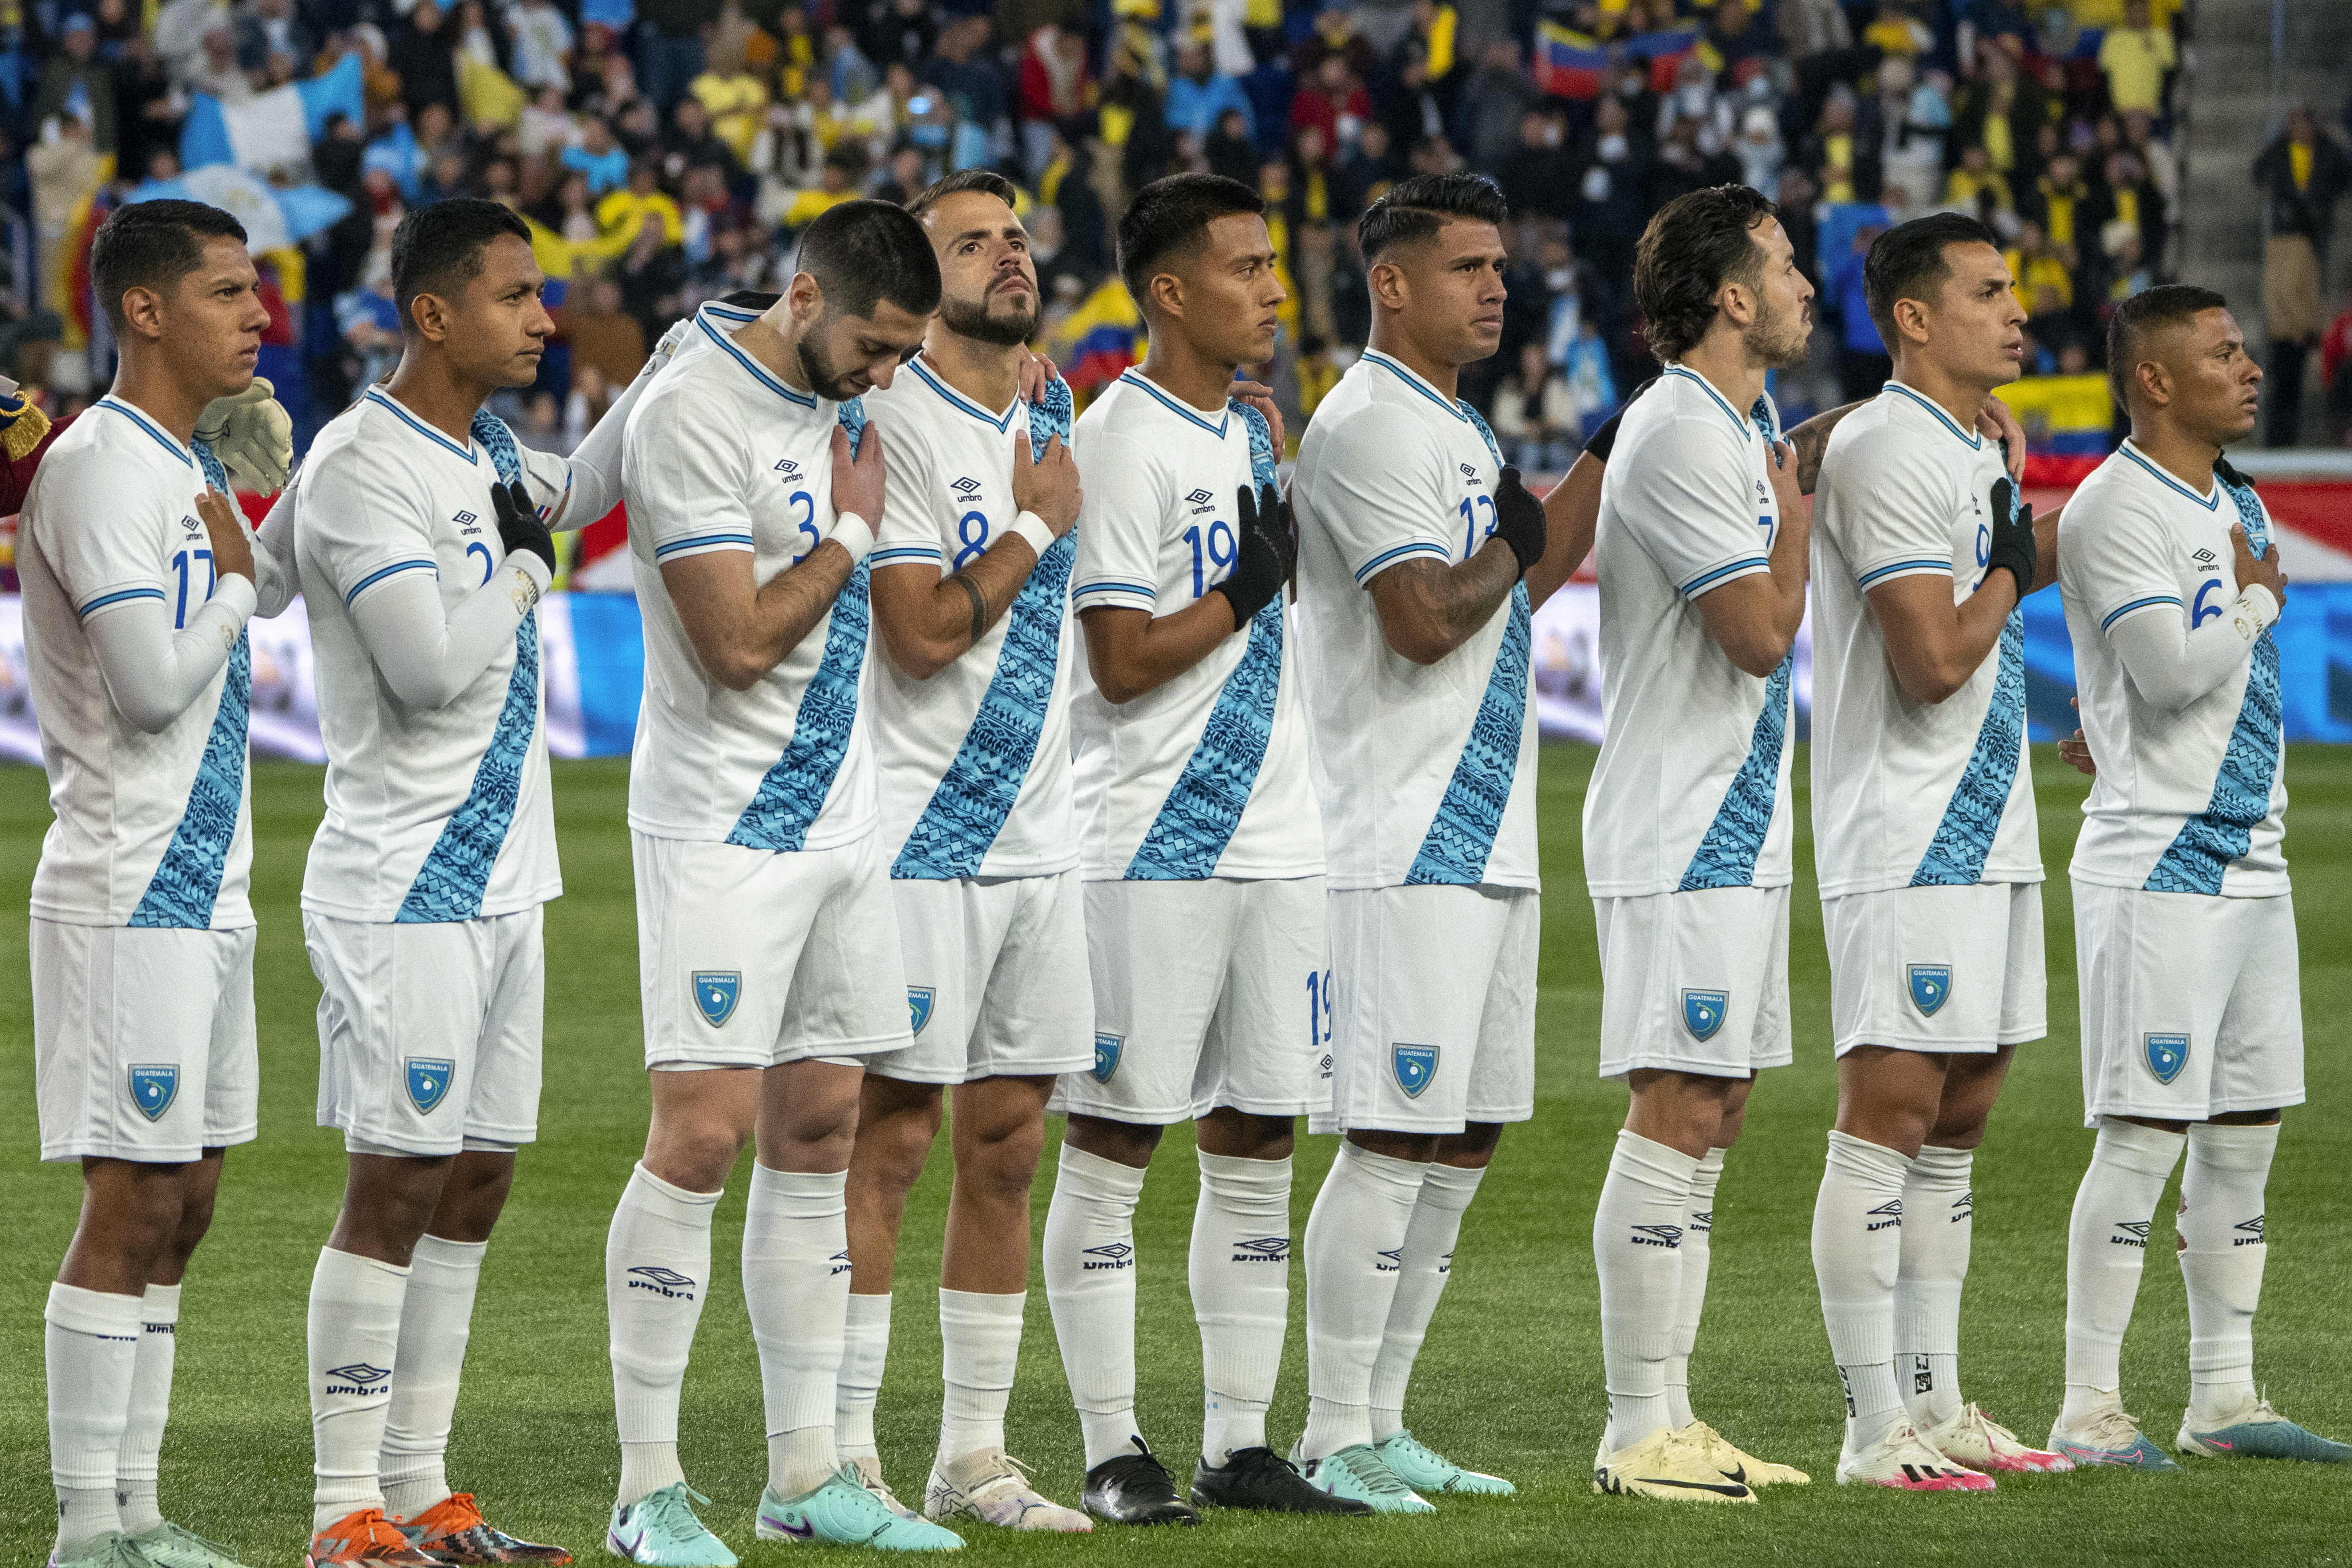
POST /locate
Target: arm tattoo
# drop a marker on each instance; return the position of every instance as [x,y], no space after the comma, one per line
[1809,440]
[979,605]
[1462,597]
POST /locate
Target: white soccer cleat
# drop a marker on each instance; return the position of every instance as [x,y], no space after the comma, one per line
[1971,1437]
[987,1485]
[1665,1465]
[869,1476]
[1736,1463]
[1905,1461]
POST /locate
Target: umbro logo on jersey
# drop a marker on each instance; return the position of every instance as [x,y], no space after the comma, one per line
[965,487]
[464,519]
[1889,1213]
[2206,558]
[2253,1228]
[1262,1249]
[1390,1262]
[1470,471]
[192,525]
[1197,496]
[2135,1234]
[359,1378]
[1657,1235]
[1110,1255]
[668,1283]
[787,468]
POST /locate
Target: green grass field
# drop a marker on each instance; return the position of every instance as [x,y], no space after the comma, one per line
[1510,1381]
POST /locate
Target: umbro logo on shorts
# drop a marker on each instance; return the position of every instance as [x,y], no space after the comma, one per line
[358,1378]
[664,1282]
[2165,1055]
[716,992]
[153,1087]
[1657,1235]
[1889,1213]
[1110,1255]
[1262,1249]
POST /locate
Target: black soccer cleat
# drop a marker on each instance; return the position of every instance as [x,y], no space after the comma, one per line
[1135,1489]
[1263,1479]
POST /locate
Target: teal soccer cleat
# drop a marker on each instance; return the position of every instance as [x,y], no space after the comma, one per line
[843,1513]
[2255,1431]
[1424,1470]
[2110,1438]
[1357,1472]
[112,1550]
[662,1529]
[169,1546]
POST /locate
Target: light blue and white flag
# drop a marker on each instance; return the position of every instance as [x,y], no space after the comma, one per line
[273,218]
[271,130]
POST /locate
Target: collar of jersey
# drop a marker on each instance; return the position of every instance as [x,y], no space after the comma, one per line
[2210,502]
[799,399]
[1137,379]
[1975,438]
[384,400]
[1746,432]
[163,441]
[1002,422]
[1414,382]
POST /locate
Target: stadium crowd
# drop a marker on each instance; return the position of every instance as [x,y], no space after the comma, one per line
[666,152]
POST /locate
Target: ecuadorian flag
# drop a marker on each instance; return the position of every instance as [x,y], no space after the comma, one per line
[1569,64]
[1101,338]
[1665,52]
[2069,422]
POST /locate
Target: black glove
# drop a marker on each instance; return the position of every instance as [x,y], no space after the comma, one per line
[1519,521]
[1603,440]
[2012,547]
[1261,561]
[1270,514]
[519,524]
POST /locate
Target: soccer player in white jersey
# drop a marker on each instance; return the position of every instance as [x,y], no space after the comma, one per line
[971,737]
[768,947]
[138,581]
[1414,542]
[1202,859]
[2184,924]
[1930,857]
[1701,548]
[420,530]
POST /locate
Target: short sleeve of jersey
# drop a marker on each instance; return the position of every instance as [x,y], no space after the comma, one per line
[94,529]
[1892,519]
[1118,526]
[910,532]
[1690,503]
[363,522]
[2116,561]
[684,475]
[548,477]
[1379,504]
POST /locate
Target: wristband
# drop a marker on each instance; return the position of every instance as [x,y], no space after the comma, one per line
[850,531]
[2259,602]
[1031,527]
[534,568]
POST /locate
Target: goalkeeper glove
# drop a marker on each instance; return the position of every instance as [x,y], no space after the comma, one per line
[252,436]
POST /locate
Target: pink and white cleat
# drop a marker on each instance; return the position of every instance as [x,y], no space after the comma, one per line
[1975,1439]
[1908,1462]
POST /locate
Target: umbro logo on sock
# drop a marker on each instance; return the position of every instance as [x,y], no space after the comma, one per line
[1963,1206]
[1657,1235]
[2253,1224]
[1393,1262]
[1445,1264]
[1111,1254]
[2136,1235]
[1702,1219]
[1891,1212]
[1262,1249]
[359,1378]
[668,1283]
[840,1264]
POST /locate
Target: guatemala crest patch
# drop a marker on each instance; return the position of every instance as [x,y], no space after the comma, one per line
[1107,1049]
[1931,984]
[1414,1066]
[2167,1054]
[919,1007]
[716,992]
[153,1087]
[428,1081]
[1703,1011]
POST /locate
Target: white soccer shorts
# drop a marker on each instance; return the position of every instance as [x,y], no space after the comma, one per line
[1937,969]
[1433,1021]
[430,1033]
[1205,996]
[996,979]
[751,958]
[1696,982]
[2192,1005]
[142,1041]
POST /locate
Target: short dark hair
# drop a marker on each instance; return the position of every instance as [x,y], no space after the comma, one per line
[1693,246]
[1171,215]
[152,245]
[2148,311]
[1908,262]
[1415,209]
[438,250]
[987,181]
[861,253]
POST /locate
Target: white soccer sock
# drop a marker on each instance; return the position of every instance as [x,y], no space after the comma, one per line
[864,1347]
[2106,1247]
[437,1317]
[1426,1264]
[1637,1231]
[1858,1254]
[2221,1224]
[1090,1287]
[981,1338]
[355,1344]
[1240,1269]
[150,1409]
[1690,1296]
[1355,1244]
[1938,1212]
[656,1273]
[91,1345]
[796,1286]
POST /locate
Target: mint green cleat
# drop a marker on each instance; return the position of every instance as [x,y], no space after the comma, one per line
[1424,1470]
[662,1527]
[169,1546]
[1356,1472]
[2255,1431]
[112,1550]
[842,1512]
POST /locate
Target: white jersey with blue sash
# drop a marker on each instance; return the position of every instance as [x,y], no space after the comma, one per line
[440,813]
[1207,774]
[1426,773]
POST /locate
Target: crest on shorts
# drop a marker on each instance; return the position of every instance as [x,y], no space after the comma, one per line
[1414,1066]
[1931,985]
[1703,1011]
[428,1081]
[1107,1049]
[153,1087]
[716,992]
[918,1008]
[2167,1054]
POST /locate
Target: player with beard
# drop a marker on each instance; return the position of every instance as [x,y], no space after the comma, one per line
[972,739]
[1702,547]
